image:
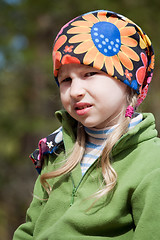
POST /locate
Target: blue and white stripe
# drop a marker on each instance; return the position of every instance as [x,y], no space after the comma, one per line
[96,139]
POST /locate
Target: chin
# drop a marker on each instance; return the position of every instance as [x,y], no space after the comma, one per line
[89,125]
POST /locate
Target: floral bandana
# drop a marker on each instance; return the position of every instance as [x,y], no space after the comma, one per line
[109,42]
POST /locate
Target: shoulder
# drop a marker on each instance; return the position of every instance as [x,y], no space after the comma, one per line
[46,146]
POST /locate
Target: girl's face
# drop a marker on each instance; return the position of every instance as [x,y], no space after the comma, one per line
[91,96]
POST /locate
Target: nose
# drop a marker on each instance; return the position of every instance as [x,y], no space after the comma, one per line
[77,90]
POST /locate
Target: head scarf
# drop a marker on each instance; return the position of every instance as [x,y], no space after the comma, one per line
[108,42]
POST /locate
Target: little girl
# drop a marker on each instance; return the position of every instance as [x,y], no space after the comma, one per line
[99,172]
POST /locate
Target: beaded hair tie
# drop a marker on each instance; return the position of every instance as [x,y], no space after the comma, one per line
[129,111]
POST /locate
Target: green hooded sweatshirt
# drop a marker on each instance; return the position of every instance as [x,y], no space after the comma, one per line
[130,212]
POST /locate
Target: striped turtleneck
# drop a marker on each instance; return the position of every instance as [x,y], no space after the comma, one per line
[95,142]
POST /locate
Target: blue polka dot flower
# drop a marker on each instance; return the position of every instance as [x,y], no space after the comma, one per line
[107,40]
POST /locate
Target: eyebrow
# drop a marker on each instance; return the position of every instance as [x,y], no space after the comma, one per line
[60,74]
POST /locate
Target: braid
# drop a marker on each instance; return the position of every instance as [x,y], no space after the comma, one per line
[108,172]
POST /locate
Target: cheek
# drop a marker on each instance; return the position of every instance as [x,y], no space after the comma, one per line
[114,94]
[62,96]
[64,99]
[119,90]
[121,87]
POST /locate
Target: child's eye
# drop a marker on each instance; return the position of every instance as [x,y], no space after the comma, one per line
[89,74]
[67,79]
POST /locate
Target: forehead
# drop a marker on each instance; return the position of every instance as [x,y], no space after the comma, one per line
[73,67]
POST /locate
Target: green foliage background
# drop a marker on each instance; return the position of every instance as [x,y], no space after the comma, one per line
[29,95]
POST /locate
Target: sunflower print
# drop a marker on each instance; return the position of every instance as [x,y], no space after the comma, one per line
[105,41]
[109,42]
[57,54]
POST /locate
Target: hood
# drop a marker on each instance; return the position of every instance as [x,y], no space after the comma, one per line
[143,131]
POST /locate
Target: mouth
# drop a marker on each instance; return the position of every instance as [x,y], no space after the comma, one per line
[82,108]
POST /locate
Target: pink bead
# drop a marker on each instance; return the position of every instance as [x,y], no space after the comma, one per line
[129,111]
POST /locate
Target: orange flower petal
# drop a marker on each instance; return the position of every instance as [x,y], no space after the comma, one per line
[130,42]
[56,61]
[83,47]
[121,24]
[128,31]
[102,16]
[109,66]
[90,56]
[142,43]
[80,38]
[55,73]
[90,18]
[125,60]
[117,65]
[82,24]
[144,59]
[69,59]
[61,40]
[112,19]
[99,61]
[130,53]
[151,66]
[75,30]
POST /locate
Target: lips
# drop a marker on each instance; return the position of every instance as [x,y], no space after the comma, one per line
[82,108]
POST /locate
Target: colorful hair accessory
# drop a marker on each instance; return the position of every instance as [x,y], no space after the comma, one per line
[129,111]
[109,42]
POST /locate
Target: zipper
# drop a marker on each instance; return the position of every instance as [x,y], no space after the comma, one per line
[76,188]
[73,191]
[73,195]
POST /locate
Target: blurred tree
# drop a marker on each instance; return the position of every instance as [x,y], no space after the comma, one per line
[29,95]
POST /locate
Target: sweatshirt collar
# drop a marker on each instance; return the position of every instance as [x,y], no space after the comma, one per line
[65,137]
[103,133]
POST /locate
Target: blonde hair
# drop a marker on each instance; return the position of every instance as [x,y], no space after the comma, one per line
[108,173]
